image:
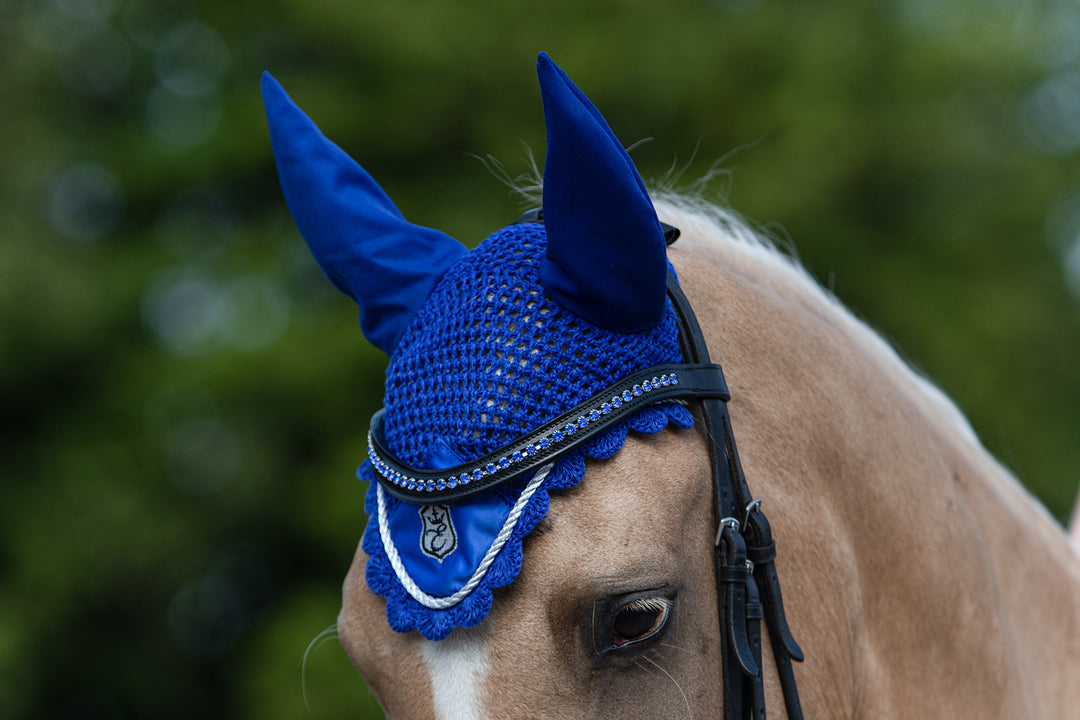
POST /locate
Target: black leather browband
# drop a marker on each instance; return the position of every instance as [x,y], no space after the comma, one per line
[547,443]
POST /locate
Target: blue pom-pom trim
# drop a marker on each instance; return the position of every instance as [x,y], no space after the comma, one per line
[404,613]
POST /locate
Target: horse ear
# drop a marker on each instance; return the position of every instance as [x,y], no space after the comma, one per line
[359,238]
[606,260]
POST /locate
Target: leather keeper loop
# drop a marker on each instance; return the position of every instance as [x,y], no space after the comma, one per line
[761,554]
[733,574]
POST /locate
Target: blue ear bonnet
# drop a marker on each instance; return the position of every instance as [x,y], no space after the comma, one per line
[487,359]
[487,346]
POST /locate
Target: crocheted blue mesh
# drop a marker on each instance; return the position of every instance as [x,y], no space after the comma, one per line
[488,358]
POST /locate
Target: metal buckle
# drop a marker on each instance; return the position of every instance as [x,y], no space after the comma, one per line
[730,522]
[751,507]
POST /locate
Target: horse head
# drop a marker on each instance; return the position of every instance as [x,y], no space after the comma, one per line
[558,519]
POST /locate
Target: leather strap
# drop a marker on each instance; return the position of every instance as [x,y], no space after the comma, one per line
[741,612]
[548,442]
[754,709]
[762,552]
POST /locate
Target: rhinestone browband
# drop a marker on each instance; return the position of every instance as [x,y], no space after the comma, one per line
[546,443]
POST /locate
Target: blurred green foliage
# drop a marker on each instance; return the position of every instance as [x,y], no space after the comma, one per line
[185,398]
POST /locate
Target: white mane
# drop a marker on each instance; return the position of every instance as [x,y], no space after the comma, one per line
[710,226]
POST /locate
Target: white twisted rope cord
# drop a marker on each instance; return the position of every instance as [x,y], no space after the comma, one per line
[443,603]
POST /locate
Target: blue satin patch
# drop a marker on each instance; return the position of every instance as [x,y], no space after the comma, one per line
[476,523]
[441,546]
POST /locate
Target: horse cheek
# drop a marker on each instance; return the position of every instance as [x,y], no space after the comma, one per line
[390,663]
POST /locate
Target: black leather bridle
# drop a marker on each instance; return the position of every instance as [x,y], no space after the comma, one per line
[748,589]
[747,586]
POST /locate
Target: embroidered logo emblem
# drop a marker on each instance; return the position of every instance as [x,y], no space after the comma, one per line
[438,538]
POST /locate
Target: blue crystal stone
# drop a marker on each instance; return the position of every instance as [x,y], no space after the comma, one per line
[440,484]
[557,436]
[616,401]
[516,457]
[605,408]
[674,379]
[637,390]
[531,450]
[646,386]
[451,483]
[583,421]
[430,486]
[594,415]
[627,395]
[545,443]
[571,429]
[504,462]
[665,380]
[464,479]
[412,484]
[491,468]
[477,474]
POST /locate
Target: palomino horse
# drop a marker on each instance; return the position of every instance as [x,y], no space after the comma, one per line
[920,579]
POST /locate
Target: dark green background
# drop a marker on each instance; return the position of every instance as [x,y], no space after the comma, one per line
[184,397]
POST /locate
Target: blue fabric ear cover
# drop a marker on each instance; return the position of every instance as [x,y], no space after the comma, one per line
[490,357]
[490,344]
[362,242]
[606,259]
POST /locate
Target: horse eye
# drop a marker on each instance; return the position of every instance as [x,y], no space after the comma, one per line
[640,619]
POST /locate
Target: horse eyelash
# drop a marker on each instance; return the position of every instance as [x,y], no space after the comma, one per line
[655,604]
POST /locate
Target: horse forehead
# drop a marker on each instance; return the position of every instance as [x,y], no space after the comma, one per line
[666,466]
[632,502]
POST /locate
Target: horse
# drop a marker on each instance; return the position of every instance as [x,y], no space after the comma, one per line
[920,578]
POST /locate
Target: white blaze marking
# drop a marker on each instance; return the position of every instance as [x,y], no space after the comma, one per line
[457,666]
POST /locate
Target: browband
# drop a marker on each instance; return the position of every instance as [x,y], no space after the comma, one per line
[547,443]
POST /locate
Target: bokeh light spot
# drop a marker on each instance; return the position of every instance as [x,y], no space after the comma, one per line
[192,60]
[186,312]
[85,202]
[190,314]
[98,62]
[182,122]
[1050,115]
[260,311]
